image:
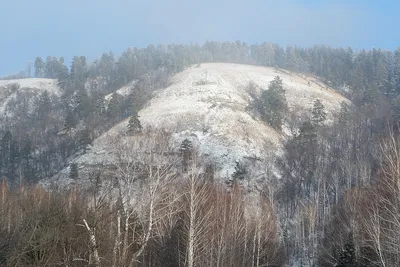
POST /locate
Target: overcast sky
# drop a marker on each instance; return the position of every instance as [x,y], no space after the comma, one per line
[31,28]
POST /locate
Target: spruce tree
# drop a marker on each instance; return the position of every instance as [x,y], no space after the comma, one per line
[274,104]
[396,72]
[73,171]
[318,113]
[186,152]
[134,125]
[39,67]
[69,121]
[84,139]
[240,172]
[343,117]
[114,108]
[82,103]
[43,109]
[347,257]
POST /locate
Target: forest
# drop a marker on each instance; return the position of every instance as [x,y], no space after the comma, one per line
[335,200]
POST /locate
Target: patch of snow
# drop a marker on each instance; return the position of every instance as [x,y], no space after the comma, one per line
[123,91]
[10,89]
[42,84]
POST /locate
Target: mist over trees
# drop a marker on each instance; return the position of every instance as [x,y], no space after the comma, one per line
[332,201]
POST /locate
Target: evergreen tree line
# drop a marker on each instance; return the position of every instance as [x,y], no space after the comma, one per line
[39,132]
[370,71]
[326,177]
[329,179]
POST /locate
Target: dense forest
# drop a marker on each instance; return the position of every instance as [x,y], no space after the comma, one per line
[334,201]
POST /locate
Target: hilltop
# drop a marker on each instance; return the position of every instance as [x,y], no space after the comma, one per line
[209,105]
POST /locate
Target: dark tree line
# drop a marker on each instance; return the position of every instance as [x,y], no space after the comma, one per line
[366,70]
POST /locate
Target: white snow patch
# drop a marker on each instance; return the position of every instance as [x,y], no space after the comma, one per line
[50,85]
[123,91]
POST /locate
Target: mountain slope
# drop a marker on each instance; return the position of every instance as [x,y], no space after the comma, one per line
[209,106]
[40,84]
[9,89]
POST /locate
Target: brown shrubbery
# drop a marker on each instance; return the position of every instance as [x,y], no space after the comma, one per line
[194,222]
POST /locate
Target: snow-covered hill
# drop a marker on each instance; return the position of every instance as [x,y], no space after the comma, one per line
[33,83]
[209,106]
[9,89]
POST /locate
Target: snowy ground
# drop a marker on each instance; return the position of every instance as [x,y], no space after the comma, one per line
[34,83]
[9,89]
[208,106]
[123,91]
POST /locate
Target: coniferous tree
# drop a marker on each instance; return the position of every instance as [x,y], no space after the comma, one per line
[318,113]
[39,67]
[134,125]
[73,171]
[186,150]
[69,121]
[82,104]
[240,172]
[6,148]
[274,105]
[43,110]
[84,139]
[63,76]
[396,73]
[343,116]
[114,108]
[78,72]
[348,255]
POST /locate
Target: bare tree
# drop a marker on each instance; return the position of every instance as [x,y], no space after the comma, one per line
[143,164]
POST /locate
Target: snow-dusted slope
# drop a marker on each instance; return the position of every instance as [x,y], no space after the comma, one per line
[34,83]
[208,104]
[123,91]
[10,89]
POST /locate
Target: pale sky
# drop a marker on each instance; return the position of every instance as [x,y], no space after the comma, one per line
[91,27]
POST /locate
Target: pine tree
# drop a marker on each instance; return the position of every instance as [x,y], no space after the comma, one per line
[39,67]
[396,72]
[343,117]
[114,108]
[5,149]
[69,121]
[308,133]
[274,105]
[63,77]
[82,104]
[84,139]
[78,72]
[348,255]
[134,125]
[186,152]
[318,113]
[240,172]
[26,158]
[43,109]
[73,171]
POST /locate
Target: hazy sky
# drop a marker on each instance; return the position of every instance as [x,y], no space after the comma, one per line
[31,28]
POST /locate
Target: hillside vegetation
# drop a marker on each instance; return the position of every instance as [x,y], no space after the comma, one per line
[223,154]
[211,106]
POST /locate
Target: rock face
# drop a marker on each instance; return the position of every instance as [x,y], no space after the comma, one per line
[209,106]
